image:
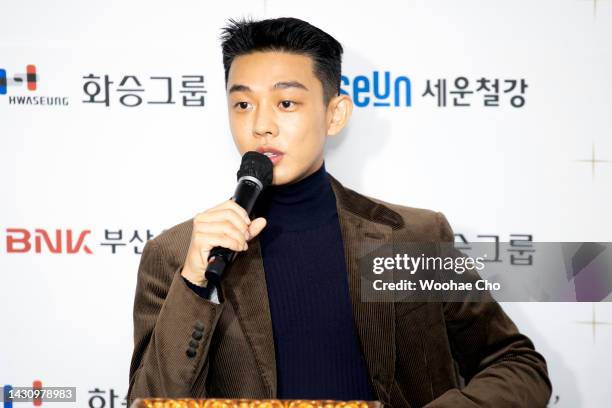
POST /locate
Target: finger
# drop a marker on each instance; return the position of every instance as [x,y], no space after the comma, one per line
[225,215]
[257,225]
[228,204]
[231,204]
[209,241]
[221,227]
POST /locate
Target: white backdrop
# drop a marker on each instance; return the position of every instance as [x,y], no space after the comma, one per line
[542,169]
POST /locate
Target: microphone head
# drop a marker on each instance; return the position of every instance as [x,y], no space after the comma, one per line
[258,165]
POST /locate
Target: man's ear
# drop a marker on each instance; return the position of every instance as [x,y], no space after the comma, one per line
[339,112]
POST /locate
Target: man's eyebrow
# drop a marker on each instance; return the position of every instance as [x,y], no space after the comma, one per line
[278,85]
[289,84]
[239,88]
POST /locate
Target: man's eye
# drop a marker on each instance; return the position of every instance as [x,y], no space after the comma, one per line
[242,105]
[287,104]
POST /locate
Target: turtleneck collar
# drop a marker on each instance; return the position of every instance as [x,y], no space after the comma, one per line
[302,205]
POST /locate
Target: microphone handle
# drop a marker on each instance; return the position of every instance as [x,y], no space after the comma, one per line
[246,194]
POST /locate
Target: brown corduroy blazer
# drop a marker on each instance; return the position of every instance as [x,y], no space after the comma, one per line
[187,346]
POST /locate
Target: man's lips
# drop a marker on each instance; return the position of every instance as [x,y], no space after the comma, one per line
[273,154]
[269,151]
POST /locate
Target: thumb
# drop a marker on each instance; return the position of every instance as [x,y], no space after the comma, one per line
[256,226]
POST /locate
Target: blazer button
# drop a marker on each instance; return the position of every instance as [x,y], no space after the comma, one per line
[197,335]
[194,344]
[199,325]
[191,352]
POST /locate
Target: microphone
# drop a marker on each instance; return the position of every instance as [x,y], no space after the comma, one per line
[254,175]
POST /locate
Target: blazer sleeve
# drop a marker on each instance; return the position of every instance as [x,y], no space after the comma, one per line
[173,327]
[500,366]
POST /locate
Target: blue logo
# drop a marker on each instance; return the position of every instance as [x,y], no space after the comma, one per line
[379,90]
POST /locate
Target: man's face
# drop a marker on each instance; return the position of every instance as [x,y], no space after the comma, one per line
[275,103]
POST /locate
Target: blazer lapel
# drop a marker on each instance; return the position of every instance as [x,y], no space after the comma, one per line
[363,229]
[245,287]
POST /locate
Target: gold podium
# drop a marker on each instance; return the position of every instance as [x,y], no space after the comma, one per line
[248,403]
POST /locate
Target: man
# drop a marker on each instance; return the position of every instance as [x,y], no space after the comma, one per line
[290,323]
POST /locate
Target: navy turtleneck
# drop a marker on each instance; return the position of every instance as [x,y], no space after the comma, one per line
[318,355]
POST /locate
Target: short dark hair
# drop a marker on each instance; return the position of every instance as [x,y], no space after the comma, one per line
[288,35]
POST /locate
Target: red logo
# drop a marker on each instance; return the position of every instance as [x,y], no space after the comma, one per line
[20,240]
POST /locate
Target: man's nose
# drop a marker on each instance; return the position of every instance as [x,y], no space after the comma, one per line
[265,122]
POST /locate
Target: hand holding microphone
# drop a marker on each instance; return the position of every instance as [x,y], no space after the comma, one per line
[224,230]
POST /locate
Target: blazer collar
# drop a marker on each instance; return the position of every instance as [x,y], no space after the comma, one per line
[364,225]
